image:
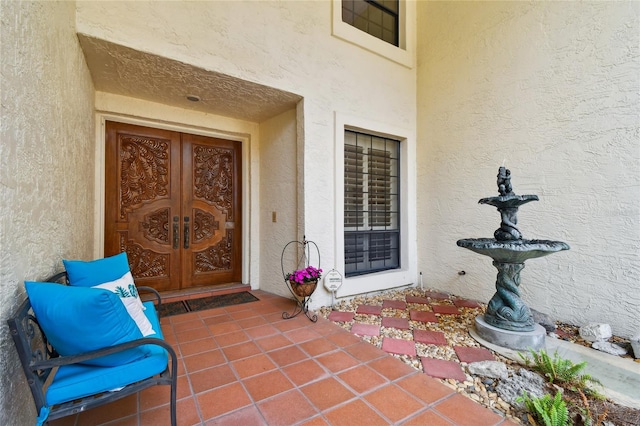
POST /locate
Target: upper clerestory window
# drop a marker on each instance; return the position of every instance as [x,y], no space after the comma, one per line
[379,18]
[384,27]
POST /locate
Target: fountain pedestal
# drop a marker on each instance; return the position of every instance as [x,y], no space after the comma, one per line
[517,340]
[508,321]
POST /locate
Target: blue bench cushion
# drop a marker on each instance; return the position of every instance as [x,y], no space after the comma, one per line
[111,273]
[89,273]
[79,319]
[77,381]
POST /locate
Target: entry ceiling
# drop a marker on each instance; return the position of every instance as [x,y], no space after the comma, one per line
[128,72]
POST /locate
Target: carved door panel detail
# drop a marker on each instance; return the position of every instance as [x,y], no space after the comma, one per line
[172,203]
[213,200]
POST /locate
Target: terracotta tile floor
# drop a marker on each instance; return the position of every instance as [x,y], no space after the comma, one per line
[245,365]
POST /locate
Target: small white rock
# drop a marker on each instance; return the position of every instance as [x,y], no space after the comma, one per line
[595,332]
[635,344]
[610,348]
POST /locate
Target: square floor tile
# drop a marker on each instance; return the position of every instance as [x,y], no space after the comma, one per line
[467,354]
[463,411]
[245,416]
[399,346]
[211,378]
[443,369]
[286,356]
[197,346]
[277,341]
[233,338]
[391,368]
[394,403]
[317,346]
[362,378]
[344,339]
[326,393]
[364,351]
[304,372]
[286,409]
[431,418]
[425,388]
[355,413]
[243,350]
[203,360]
[423,316]
[267,384]
[253,365]
[337,361]
[222,400]
[186,415]
[399,323]
[430,337]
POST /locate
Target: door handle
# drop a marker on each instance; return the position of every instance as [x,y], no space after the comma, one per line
[186,232]
[176,232]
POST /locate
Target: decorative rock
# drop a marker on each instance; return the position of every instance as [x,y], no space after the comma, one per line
[594,332]
[524,381]
[493,369]
[610,348]
[544,320]
[635,344]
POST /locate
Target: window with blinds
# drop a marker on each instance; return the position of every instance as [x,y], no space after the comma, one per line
[379,18]
[371,203]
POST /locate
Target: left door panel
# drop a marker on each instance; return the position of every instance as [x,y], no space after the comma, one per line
[142,205]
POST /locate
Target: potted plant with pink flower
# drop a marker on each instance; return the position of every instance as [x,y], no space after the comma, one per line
[304,281]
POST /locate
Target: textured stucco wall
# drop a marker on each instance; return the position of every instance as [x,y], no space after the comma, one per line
[46,166]
[552,89]
[278,193]
[285,45]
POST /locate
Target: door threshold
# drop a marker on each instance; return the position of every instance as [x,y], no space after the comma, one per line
[206,291]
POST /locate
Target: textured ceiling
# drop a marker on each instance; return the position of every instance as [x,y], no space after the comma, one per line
[124,71]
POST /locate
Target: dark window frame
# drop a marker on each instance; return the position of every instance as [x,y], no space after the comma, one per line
[371,203]
[378,18]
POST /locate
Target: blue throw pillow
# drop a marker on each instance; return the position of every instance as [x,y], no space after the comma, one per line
[89,273]
[79,319]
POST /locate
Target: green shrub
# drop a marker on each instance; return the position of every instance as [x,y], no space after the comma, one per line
[562,371]
[546,411]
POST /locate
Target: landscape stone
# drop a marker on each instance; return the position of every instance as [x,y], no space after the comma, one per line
[524,380]
[610,348]
[493,369]
[594,332]
[544,320]
[635,344]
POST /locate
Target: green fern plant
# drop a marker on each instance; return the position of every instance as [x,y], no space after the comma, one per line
[562,371]
[546,411]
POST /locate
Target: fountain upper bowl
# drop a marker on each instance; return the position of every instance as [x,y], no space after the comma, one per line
[516,251]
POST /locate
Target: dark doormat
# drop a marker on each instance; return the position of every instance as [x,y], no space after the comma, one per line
[210,302]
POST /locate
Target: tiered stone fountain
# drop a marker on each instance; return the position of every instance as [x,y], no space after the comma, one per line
[508,321]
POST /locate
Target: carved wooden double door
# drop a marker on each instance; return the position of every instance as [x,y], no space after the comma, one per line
[173,203]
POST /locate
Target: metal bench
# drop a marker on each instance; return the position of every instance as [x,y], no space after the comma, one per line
[41,362]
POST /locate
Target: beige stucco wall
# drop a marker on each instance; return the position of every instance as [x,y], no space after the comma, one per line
[46,167]
[279,195]
[552,89]
[287,46]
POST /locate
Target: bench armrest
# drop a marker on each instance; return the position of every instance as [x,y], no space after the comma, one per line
[75,359]
[154,292]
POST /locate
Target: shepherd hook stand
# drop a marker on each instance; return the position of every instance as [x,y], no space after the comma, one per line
[304,251]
